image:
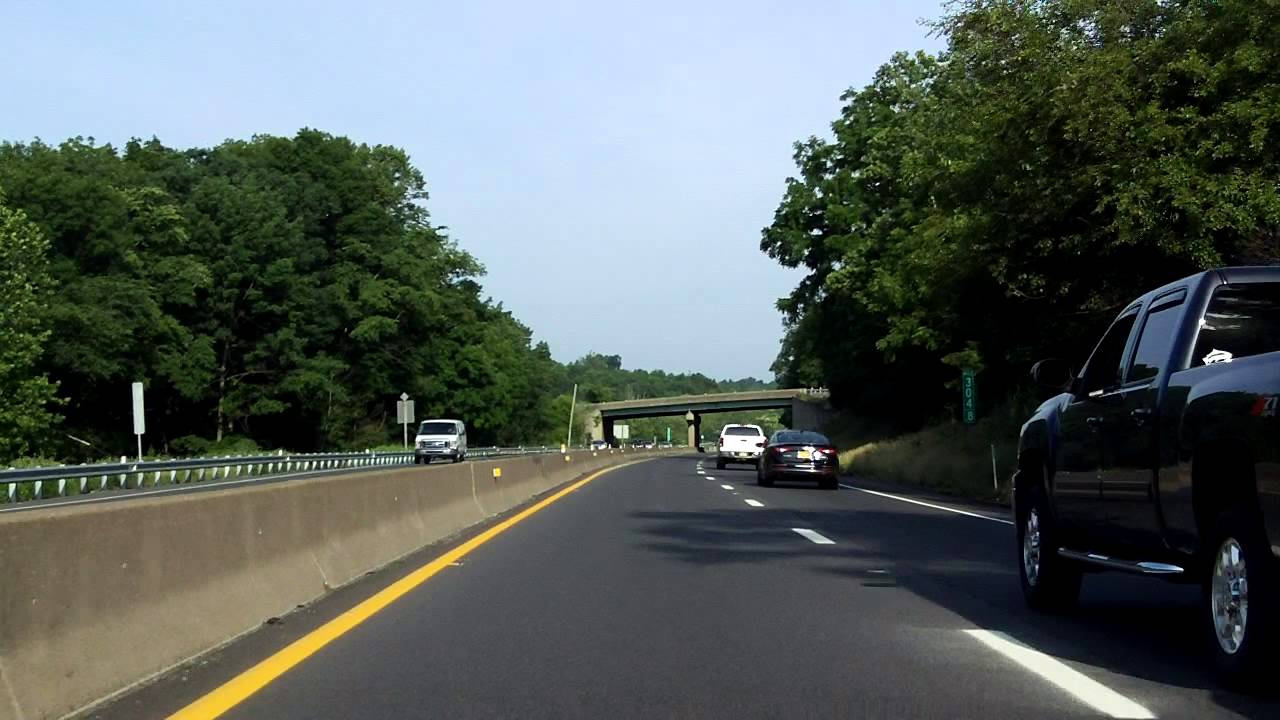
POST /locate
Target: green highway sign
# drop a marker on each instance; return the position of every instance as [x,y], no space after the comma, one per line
[969,396]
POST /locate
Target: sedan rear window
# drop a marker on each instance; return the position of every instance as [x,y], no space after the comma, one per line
[801,437]
[742,431]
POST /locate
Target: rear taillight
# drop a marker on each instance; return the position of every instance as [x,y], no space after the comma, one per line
[831,452]
[760,444]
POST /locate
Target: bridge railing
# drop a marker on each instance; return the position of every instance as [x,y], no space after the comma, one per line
[20,485]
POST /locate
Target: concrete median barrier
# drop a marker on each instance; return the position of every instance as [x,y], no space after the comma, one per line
[97,597]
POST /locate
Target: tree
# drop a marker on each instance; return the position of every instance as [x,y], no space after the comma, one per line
[25,395]
[279,292]
[1004,199]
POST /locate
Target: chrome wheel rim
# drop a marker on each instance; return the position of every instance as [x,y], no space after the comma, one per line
[1229,596]
[1031,548]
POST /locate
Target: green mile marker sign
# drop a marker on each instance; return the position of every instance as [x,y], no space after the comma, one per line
[969,396]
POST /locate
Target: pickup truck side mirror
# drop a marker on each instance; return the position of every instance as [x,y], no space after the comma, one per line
[1053,373]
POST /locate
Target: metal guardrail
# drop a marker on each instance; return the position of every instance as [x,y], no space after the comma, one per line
[20,485]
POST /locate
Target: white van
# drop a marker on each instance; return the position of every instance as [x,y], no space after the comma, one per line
[440,438]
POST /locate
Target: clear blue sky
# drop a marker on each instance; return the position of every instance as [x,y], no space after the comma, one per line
[611,164]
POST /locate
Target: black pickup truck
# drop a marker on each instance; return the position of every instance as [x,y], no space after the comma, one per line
[1163,458]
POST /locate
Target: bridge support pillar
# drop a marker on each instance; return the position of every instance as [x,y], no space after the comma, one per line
[695,429]
[594,429]
[807,414]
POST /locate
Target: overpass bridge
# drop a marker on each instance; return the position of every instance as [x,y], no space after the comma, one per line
[808,409]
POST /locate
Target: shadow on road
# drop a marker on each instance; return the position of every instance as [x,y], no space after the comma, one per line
[1126,625]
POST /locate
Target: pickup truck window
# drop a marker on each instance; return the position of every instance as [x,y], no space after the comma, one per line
[1103,370]
[1241,320]
[1155,342]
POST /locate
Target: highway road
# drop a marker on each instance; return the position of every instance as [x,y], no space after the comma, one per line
[667,588]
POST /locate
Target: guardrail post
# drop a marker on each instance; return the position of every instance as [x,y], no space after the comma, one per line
[13,492]
[39,489]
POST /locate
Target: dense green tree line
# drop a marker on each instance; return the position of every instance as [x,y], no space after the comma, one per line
[283,290]
[1003,200]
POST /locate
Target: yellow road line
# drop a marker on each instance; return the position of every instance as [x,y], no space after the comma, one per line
[239,688]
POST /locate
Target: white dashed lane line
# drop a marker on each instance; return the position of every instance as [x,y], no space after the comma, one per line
[727,487]
[812,536]
[753,503]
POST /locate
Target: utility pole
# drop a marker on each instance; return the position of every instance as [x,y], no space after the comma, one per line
[573,406]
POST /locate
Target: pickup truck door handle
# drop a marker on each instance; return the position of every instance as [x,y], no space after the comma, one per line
[1094,422]
[1140,415]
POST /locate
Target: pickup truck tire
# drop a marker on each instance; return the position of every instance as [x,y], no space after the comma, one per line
[1242,636]
[1050,582]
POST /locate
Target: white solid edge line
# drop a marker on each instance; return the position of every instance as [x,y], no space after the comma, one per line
[753,503]
[928,505]
[1086,690]
[727,487]
[812,536]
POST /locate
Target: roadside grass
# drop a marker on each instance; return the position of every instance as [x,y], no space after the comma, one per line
[948,458]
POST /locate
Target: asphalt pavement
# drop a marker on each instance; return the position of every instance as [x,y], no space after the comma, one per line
[671,589]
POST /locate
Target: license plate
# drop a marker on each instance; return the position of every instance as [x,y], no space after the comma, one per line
[804,455]
[744,454]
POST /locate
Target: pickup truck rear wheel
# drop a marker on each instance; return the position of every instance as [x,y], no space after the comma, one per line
[1242,599]
[1049,581]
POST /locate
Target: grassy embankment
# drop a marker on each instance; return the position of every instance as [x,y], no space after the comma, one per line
[949,458]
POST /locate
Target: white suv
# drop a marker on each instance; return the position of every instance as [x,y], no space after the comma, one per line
[740,444]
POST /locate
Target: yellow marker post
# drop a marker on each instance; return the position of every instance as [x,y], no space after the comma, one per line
[497,473]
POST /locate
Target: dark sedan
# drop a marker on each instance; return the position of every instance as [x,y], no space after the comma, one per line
[799,454]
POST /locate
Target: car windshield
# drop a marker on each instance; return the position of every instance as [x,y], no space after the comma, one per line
[438,428]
